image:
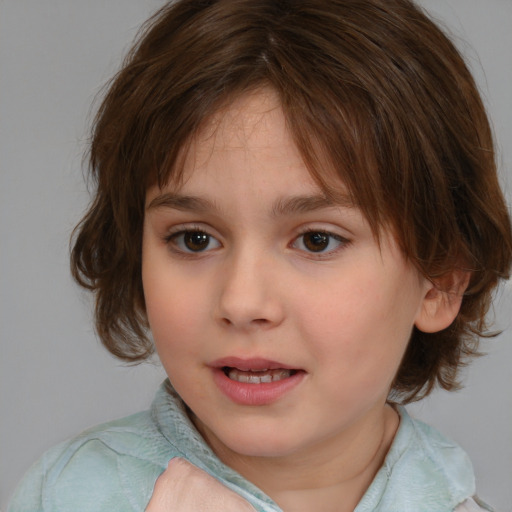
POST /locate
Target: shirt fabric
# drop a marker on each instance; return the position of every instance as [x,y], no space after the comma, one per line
[113,467]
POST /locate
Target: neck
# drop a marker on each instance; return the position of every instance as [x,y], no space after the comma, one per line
[334,473]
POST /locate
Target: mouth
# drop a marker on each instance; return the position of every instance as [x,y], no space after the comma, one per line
[251,376]
[255,381]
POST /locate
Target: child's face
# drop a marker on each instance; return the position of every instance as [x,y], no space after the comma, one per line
[248,266]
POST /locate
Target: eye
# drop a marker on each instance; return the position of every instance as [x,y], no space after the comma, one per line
[191,241]
[318,242]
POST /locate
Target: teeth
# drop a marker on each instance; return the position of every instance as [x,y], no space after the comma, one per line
[258,376]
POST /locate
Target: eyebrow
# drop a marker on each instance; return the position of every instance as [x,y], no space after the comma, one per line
[181,202]
[309,203]
[281,208]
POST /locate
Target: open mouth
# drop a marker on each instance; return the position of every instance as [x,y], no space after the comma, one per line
[257,376]
[255,381]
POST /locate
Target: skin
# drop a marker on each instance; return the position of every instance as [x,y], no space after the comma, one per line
[343,315]
[186,488]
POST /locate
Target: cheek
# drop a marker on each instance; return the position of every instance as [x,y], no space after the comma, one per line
[360,327]
[175,333]
[171,307]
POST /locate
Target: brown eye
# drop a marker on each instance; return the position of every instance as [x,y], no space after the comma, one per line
[316,242]
[196,241]
[193,241]
[319,242]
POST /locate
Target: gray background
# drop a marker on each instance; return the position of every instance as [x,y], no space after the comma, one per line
[55,379]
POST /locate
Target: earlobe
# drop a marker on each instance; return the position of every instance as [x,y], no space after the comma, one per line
[442,301]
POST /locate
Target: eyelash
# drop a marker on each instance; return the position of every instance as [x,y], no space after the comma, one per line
[342,242]
[171,240]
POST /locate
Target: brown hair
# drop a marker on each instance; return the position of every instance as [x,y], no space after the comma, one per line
[372,85]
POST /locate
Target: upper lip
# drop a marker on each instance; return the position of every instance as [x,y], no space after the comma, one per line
[256,364]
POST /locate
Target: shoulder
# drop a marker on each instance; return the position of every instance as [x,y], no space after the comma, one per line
[432,457]
[423,471]
[427,443]
[110,467]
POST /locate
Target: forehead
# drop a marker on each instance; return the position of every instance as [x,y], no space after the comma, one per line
[251,127]
[253,116]
[247,149]
[246,135]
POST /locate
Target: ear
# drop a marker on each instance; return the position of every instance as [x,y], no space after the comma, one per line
[442,300]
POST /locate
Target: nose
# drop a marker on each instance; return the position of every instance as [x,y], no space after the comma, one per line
[249,295]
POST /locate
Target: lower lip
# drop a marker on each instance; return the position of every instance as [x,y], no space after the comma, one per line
[265,393]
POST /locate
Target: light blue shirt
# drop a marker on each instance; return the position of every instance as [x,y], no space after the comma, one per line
[113,467]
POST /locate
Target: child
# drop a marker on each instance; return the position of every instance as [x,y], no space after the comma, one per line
[297,206]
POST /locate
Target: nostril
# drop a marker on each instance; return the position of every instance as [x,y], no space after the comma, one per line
[256,321]
[260,321]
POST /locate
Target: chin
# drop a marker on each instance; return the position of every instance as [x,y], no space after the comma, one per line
[261,446]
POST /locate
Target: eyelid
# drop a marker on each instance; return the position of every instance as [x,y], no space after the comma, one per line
[204,227]
[326,228]
[343,242]
[181,229]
